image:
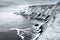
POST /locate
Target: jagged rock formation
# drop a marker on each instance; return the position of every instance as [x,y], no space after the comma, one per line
[44,13]
[36,12]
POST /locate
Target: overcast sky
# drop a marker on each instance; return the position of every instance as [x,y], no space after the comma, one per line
[21,2]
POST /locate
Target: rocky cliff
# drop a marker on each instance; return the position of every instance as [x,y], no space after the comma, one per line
[47,14]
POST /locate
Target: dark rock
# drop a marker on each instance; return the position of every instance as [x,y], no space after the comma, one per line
[36,25]
[41,31]
[40,27]
[58,3]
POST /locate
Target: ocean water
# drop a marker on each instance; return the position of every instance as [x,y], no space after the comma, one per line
[9,20]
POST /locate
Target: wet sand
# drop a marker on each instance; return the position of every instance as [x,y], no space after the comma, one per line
[10,35]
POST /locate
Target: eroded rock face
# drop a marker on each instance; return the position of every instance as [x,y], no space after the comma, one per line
[47,15]
[53,31]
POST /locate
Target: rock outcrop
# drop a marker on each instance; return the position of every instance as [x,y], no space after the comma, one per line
[44,13]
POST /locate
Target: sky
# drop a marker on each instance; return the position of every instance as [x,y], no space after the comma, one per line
[4,3]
